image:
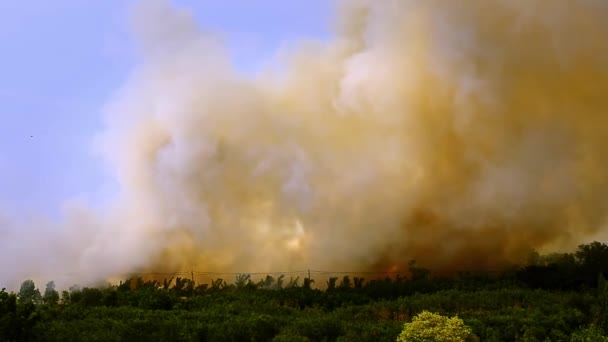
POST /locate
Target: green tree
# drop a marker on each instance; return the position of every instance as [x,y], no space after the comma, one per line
[28,293]
[331,283]
[593,255]
[242,280]
[8,316]
[267,283]
[346,283]
[593,259]
[431,327]
[51,296]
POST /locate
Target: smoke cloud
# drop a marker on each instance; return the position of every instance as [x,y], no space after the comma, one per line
[460,134]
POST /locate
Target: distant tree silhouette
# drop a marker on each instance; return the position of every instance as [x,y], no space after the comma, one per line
[51,296]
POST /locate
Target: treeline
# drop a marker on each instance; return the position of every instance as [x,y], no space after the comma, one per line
[558,297]
[566,271]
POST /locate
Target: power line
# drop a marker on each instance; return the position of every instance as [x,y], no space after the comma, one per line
[309,273]
[209,273]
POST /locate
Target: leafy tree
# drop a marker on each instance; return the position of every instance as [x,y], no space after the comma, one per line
[331,283]
[167,283]
[267,283]
[280,281]
[8,313]
[293,282]
[51,296]
[593,256]
[65,297]
[346,283]
[183,286]
[242,280]
[28,293]
[91,296]
[593,259]
[428,326]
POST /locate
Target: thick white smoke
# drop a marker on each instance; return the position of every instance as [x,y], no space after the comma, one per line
[461,134]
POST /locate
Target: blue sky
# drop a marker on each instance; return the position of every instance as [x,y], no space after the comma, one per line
[60,62]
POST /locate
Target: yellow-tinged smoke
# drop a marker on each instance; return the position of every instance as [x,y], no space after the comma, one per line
[458,133]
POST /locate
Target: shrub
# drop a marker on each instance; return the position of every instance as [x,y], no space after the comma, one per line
[590,334]
[428,326]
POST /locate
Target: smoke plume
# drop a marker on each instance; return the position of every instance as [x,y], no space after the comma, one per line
[460,134]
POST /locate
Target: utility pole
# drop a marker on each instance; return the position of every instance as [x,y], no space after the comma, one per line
[192,276]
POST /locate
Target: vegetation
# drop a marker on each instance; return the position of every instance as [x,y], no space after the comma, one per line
[428,326]
[555,298]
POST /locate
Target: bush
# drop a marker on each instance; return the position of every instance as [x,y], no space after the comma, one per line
[591,334]
[318,326]
[428,326]
[290,336]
